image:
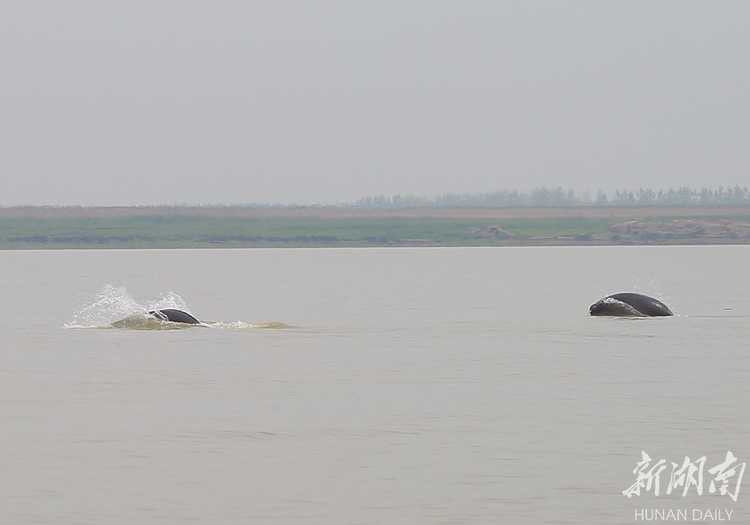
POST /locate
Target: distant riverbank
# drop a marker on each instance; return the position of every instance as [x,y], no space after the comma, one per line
[48,227]
[331,212]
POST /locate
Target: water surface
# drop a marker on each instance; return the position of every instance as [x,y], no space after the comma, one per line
[368,386]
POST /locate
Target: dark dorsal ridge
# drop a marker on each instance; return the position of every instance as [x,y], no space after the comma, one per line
[630,303]
[174,315]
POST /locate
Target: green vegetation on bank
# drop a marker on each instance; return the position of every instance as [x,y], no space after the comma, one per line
[208,232]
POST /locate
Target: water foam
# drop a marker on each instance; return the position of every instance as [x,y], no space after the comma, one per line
[109,305]
[113,304]
[115,308]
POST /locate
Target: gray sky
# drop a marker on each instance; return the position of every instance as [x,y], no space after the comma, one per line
[208,102]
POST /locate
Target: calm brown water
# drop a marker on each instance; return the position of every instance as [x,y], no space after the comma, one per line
[404,386]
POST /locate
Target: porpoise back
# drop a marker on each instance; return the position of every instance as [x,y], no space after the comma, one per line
[174,315]
[630,304]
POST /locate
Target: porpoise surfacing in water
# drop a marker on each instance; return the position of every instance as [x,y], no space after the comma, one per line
[630,304]
[174,315]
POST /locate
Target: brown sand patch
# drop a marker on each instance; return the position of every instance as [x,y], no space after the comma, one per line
[490,231]
[693,227]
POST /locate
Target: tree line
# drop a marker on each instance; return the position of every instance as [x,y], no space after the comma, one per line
[730,196]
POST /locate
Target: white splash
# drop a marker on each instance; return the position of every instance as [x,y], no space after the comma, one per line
[115,308]
[109,305]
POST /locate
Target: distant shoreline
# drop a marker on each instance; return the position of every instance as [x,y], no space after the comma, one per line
[161,227]
[325,212]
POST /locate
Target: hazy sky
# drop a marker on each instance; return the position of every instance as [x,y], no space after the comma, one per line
[218,102]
